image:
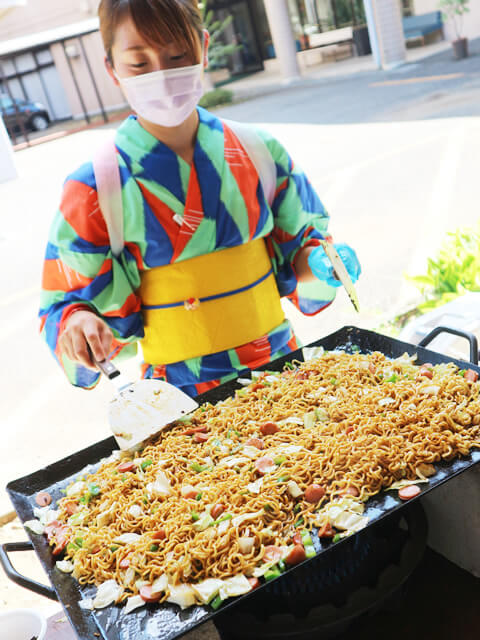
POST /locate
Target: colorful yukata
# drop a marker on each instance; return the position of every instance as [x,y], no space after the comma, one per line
[174,212]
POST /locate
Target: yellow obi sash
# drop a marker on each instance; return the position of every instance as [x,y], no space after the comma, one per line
[209,303]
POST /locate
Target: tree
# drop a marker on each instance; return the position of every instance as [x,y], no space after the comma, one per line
[218,51]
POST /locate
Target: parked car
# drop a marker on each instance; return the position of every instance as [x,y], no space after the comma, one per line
[33,115]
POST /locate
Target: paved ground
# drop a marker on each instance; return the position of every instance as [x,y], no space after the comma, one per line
[394,156]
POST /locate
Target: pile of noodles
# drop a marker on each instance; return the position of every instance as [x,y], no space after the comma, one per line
[376,421]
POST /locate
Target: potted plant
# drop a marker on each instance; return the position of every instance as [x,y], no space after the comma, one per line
[453,11]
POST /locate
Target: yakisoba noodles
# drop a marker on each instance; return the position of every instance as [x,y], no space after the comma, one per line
[224,493]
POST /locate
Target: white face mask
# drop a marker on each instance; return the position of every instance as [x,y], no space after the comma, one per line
[165,97]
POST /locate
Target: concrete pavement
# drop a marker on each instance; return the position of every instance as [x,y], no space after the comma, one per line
[393,156]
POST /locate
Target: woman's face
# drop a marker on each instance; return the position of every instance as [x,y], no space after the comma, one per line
[132,55]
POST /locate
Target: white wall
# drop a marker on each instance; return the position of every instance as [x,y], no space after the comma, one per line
[471,21]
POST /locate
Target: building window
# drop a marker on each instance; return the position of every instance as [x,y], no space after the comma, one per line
[407,7]
[315,16]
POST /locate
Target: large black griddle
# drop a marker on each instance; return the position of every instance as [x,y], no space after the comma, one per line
[167,621]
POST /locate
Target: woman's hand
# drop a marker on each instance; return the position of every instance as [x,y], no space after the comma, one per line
[322,268]
[85,333]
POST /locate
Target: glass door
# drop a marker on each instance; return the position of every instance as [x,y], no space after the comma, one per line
[241,32]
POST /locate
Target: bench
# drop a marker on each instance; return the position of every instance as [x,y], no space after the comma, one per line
[334,39]
[417,27]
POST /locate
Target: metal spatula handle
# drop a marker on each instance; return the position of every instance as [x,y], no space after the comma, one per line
[107,368]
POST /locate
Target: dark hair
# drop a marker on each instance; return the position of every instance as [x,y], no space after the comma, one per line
[158,21]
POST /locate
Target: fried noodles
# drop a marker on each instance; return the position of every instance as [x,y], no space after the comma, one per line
[349,423]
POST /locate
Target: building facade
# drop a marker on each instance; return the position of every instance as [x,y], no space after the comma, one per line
[250,27]
[50,50]
[470,22]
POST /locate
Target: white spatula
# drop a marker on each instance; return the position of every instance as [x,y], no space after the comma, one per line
[143,408]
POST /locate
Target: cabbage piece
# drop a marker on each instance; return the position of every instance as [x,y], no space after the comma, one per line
[107,593]
[87,604]
[310,353]
[431,390]
[309,419]
[288,449]
[384,401]
[127,538]
[160,584]
[135,510]
[405,483]
[160,487]
[35,526]
[244,517]
[233,462]
[255,487]
[45,514]
[203,522]
[207,589]
[293,489]
[236,586]
[349,521]
[290,420]
[129,577]
[251,452]
[183,595]
[65,566]
[223,527]
[78,518]
[246,544]
[76,488]
[105,517]
[133,603]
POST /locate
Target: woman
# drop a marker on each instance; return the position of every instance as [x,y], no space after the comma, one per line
[205,258]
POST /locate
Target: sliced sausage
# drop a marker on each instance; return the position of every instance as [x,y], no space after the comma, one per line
[191,494]
[254,582]
[125,562]
[428,373]
[71,508]
[50,529]
[59,546]
[269,428]
[161,534]
[471,375]
[351,491]
[296,555]
[148,595]
[255,442]
[192,430]
[314,493]
[124,467]
[264,465]
[201,437]
[43,499]
[61,540]
[217,510]
[406,493]
[326,531]
[297,538]
[272,553]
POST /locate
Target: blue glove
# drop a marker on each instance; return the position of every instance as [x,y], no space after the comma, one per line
[322,268]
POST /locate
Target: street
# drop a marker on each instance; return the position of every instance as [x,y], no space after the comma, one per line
[393,156]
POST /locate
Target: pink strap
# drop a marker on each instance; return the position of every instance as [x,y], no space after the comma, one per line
[109,191]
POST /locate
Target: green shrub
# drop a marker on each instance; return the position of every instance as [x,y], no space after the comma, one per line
[215,97]
[454,271]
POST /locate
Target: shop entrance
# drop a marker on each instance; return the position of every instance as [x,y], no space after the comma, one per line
[241,31]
